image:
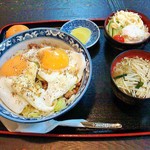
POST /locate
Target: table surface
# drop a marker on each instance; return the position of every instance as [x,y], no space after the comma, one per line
[26,10]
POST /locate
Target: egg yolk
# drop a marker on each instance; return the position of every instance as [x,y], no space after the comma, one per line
[53,59]
[13,67]
[15,29]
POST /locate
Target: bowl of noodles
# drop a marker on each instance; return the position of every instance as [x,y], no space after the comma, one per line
[127,29]
[130,75]
[44,72]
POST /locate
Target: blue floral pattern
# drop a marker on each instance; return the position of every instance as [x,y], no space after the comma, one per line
[69,26]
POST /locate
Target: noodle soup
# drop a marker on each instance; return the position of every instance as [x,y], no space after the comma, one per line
[132,76]
[130,72]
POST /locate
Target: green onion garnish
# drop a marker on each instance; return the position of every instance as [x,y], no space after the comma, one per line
[120,76]
[140,84]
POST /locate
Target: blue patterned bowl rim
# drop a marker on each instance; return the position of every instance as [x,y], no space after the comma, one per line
[72,24]
[36,33]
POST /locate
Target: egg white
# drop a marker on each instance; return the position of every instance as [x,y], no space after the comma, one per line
[13,101]
[29,92]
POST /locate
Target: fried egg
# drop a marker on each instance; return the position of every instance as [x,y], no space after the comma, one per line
[60,60]
[11,68]
[61,69]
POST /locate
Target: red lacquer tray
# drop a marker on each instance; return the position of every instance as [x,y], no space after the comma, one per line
[99,103]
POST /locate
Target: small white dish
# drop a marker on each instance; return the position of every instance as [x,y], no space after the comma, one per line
[76,23]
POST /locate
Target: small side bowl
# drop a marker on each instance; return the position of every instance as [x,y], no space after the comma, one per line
[72,24]
[120,94]
[126,46]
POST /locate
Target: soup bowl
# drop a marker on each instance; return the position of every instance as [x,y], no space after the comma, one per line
[124,90]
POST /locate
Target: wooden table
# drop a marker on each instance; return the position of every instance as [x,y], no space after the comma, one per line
[33,143]
[26,10]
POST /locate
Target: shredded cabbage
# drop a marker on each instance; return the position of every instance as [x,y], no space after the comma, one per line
[129,25]
[124,18]
[31,112]
[60,104]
